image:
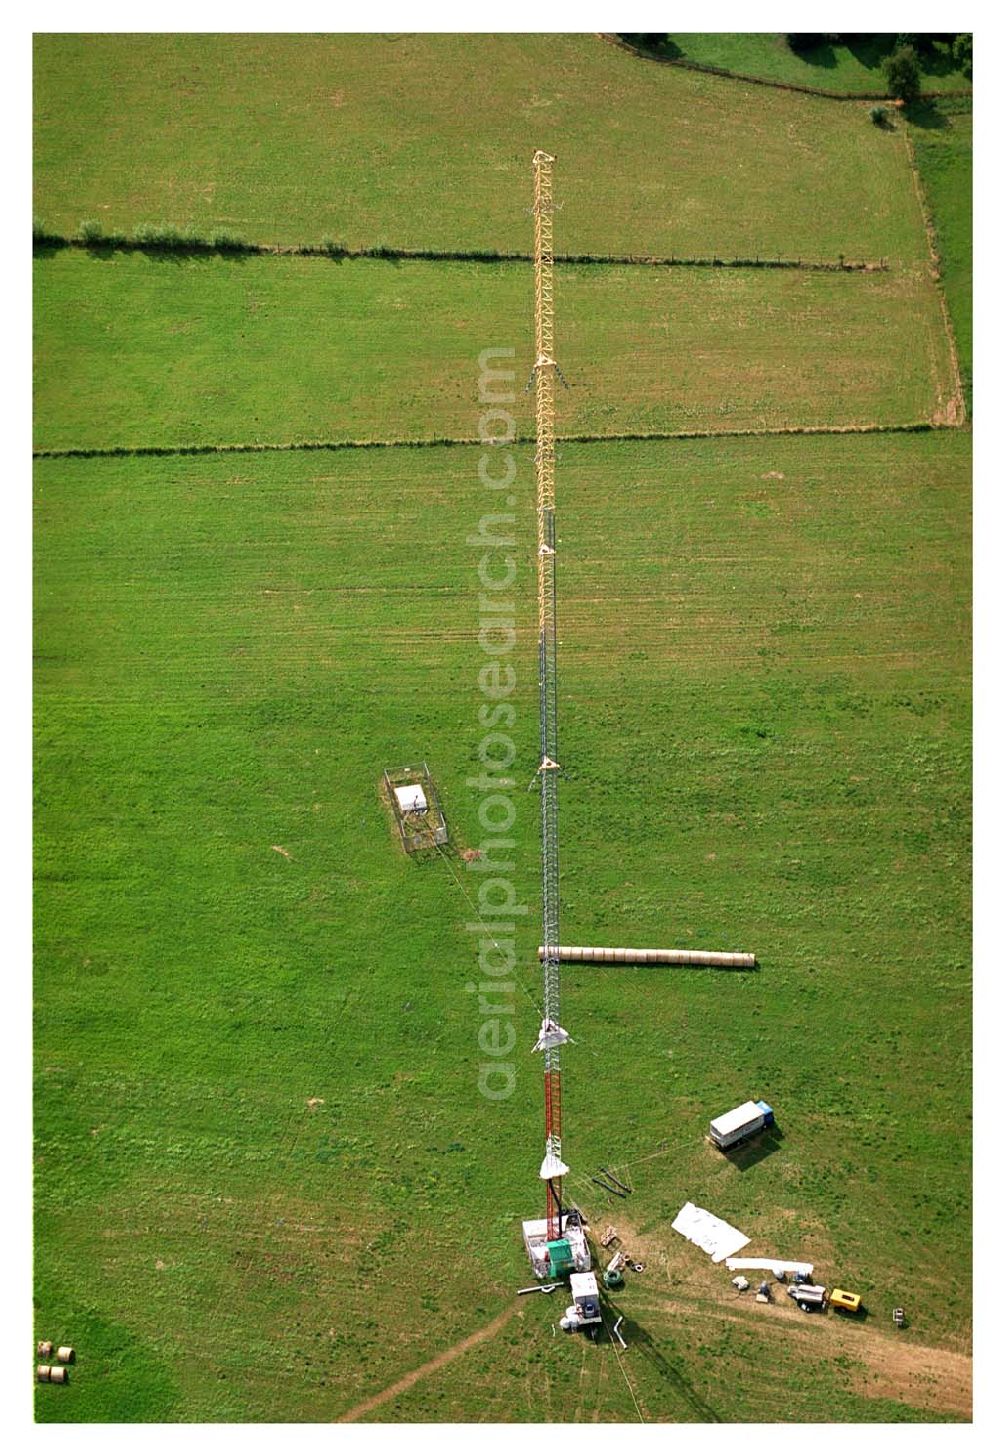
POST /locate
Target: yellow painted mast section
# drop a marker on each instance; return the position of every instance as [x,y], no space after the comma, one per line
[543,373]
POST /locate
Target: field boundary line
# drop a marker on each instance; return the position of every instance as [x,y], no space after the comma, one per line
[194,450]
[428,1368]
[702,68]
[46,243]
[956,403]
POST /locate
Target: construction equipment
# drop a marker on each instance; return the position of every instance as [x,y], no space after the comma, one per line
[621,1193]
[845,1300]
[808,1297]
[585,1311]
[799,1270]
[554,1259]
[655,956]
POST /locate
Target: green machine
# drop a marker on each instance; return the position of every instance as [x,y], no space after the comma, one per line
[560,1258]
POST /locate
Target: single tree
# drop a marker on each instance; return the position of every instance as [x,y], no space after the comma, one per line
[961,50]
[902,74]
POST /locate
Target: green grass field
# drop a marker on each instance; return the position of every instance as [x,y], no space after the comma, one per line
[942,141]
[855,67]
[765,724]
[420,140]
[266,1186]
[133,351]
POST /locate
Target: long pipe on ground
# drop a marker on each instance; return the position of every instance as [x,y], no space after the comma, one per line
[650,956]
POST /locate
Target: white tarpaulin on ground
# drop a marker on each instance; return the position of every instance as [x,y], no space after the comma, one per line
[713,1235]
[789,1267]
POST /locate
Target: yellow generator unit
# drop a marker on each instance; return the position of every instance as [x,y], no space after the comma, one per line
[844,1300]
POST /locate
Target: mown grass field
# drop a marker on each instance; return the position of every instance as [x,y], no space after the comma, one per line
[136,351]
[765,650]
[942,142]
[421,140]
[849,68]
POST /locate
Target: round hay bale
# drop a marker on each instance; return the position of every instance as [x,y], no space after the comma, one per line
[44,1372]
[45,1349]
[66,1355]
[58,1374]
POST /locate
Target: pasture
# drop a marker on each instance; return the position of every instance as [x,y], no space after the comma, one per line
[765,648]
[420,141]
[137,351]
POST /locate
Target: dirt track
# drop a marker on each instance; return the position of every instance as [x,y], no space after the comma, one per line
[429,1367]
[918,1375]
[890,1366]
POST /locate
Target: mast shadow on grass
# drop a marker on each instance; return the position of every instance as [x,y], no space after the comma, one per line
[640,1342]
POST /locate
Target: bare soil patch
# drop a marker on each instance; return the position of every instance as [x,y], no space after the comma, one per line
[920,1375]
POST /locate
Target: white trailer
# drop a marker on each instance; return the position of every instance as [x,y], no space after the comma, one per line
[585,1311]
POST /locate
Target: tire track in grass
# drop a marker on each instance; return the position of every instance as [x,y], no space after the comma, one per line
[485,1332]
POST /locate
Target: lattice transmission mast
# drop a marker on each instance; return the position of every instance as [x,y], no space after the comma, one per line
[557,1245]
[552,1036]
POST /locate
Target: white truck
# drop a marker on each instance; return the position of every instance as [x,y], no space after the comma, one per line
[741,1123]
